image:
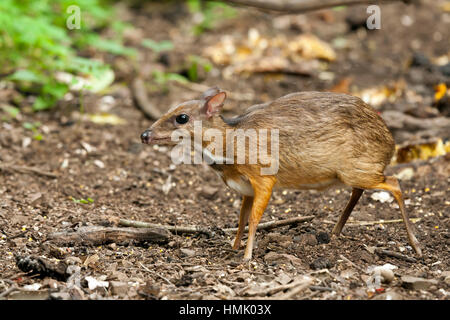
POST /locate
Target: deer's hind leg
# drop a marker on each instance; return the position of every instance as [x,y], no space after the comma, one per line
[391,184]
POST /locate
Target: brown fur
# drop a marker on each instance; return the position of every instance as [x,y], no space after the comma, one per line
[324,139]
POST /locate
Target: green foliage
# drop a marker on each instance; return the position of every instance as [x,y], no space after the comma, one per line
[195,64]
[207,13]
[165,45]
[83,201]
[12,111]
[35,44]
[34,128]
[162,78]
[111,46]
[339,8]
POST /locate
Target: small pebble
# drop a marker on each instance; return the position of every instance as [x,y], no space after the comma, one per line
[321,263]
[416,283]
[323,237]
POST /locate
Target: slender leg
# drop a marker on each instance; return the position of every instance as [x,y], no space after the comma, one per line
[246,208]
[262,188]
[391,184]
[356,194]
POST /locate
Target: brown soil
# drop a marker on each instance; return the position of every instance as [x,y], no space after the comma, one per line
[130,184]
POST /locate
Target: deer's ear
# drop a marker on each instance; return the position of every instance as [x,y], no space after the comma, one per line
[214,104]
[209,93]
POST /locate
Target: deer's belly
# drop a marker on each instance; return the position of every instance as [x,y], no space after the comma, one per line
[240,185]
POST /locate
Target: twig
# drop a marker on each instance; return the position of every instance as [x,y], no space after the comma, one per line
[156,274]
[383,252]
[369,223]
[275,224]
[198,229]
[354,266]
[17,235]
[301,6]
[24,169]
[320,288]
[173,229]
[142,101]
[42,267]
[9,281]
[273,290]
[351,263]
[8,291]
[95,235]
[308,297]
[301,285]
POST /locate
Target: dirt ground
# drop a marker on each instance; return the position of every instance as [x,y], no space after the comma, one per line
[125,179]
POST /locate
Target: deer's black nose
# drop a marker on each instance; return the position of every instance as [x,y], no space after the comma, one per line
[145,136]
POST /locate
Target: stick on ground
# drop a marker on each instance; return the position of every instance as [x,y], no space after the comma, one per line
[43,267]
[8,291]
[95,235]
[276,289]
[370,223]
[24,169]
[275,224]
[173,229]
[198,229]
[142,101]
[382,252]
[299,287]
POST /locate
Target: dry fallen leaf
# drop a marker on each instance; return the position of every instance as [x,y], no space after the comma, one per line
[378,95]
[94,283]
[91,83]
[446,6]
[104,118]
[420,151]
[308,46]
[91,260]
[167,185]
[440,91]
[256,53]
[343,86]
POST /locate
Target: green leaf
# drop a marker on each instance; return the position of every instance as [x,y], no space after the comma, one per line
[339,8]
[162,77]
[100,81]
[194,5]
[35,44]
[83,201]
[192,72]
[12,111]
[43,103]
[24,75]
[28,125]
[165,45]
[176,77]
[112,46]
[55,89]
[38,137]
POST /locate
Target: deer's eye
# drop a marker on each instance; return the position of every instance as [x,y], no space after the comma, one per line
[182,118]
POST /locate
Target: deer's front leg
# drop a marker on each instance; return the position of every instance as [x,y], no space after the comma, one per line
[246,208]
[262,188]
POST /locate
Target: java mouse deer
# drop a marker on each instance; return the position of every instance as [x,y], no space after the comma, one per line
[322,139]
